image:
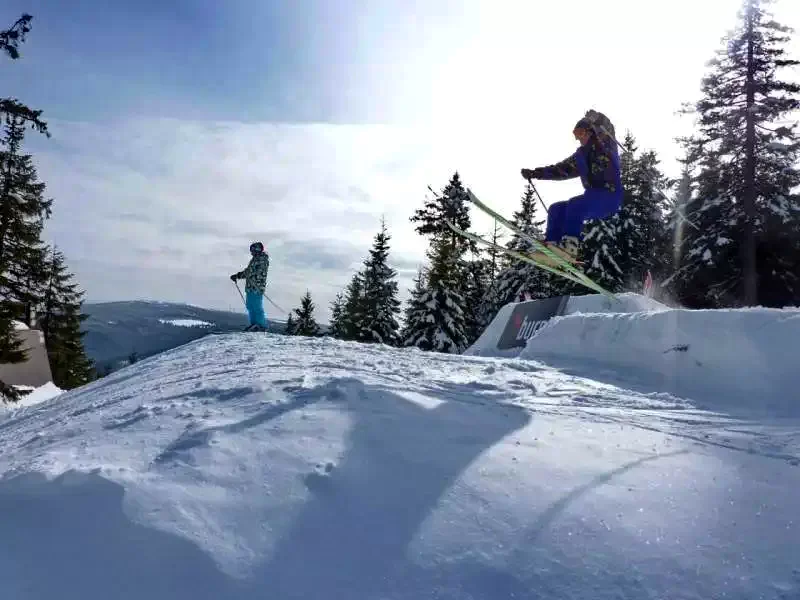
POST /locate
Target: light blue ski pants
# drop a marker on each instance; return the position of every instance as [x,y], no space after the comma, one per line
[255,308]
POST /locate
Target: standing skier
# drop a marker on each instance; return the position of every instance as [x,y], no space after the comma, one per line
[255,276]
[597,163]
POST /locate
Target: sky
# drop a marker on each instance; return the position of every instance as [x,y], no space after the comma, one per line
[184,130]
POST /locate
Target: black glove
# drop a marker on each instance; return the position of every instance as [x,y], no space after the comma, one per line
[531,173]
[234,277]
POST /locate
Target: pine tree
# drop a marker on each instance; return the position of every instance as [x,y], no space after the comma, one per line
[290,326]
[518,278]
[491,301]
[619,251]
[10,40]
[20,201]
[450,205]
[415,312]
[337,325]
[305,324]
[11,351]
[441,324]
[60,321]
[745,246]
[476,296]
[380,304]
[353,311]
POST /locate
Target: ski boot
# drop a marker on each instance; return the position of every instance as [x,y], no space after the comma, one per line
[567,248]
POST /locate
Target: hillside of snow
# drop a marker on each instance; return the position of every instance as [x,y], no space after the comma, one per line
[116,330]
[250,466]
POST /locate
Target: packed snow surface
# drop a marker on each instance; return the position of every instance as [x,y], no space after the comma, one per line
[186,322]
[742,359]
[254,466]
[735,359]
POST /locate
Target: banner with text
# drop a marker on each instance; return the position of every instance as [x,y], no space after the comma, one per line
[527,318]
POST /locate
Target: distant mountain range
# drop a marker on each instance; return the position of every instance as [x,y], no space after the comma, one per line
[118,333]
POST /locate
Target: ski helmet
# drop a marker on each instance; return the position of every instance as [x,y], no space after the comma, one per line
[584,124]
[256,247]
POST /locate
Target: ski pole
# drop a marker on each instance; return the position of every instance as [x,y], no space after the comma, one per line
[275,305]
[240,293]
[535,191]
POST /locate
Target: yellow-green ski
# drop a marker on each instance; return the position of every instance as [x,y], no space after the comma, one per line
[567,268]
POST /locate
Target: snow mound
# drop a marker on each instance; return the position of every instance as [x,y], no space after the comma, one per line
[723,359]
[46,392]
[43,393]
[486,344]
[243,467]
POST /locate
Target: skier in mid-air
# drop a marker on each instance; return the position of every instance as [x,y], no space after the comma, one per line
[255,276]
[597,163]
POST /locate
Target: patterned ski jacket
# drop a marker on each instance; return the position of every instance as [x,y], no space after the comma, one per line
[255,274]
[597,164]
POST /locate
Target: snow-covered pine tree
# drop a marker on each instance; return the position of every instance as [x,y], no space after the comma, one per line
[620,250]
[60,321]
[305,324]
[337,317]
[518,279]
[476,294]
[676,222]
[380,304]
[439,322]
[415,311]
[441,325]
[745,248]
[353,310]
[450,205]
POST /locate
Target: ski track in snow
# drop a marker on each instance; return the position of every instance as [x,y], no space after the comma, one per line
[193,435]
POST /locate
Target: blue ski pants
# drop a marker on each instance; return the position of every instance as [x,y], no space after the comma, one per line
[566,218]
[254,301]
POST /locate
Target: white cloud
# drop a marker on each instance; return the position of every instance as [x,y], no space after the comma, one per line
[166,209]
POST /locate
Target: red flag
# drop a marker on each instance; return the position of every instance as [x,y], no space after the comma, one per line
[648,284]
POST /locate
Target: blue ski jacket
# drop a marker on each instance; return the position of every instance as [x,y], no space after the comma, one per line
[597,164]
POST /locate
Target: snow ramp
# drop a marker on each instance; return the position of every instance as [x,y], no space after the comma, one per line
[721,359]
